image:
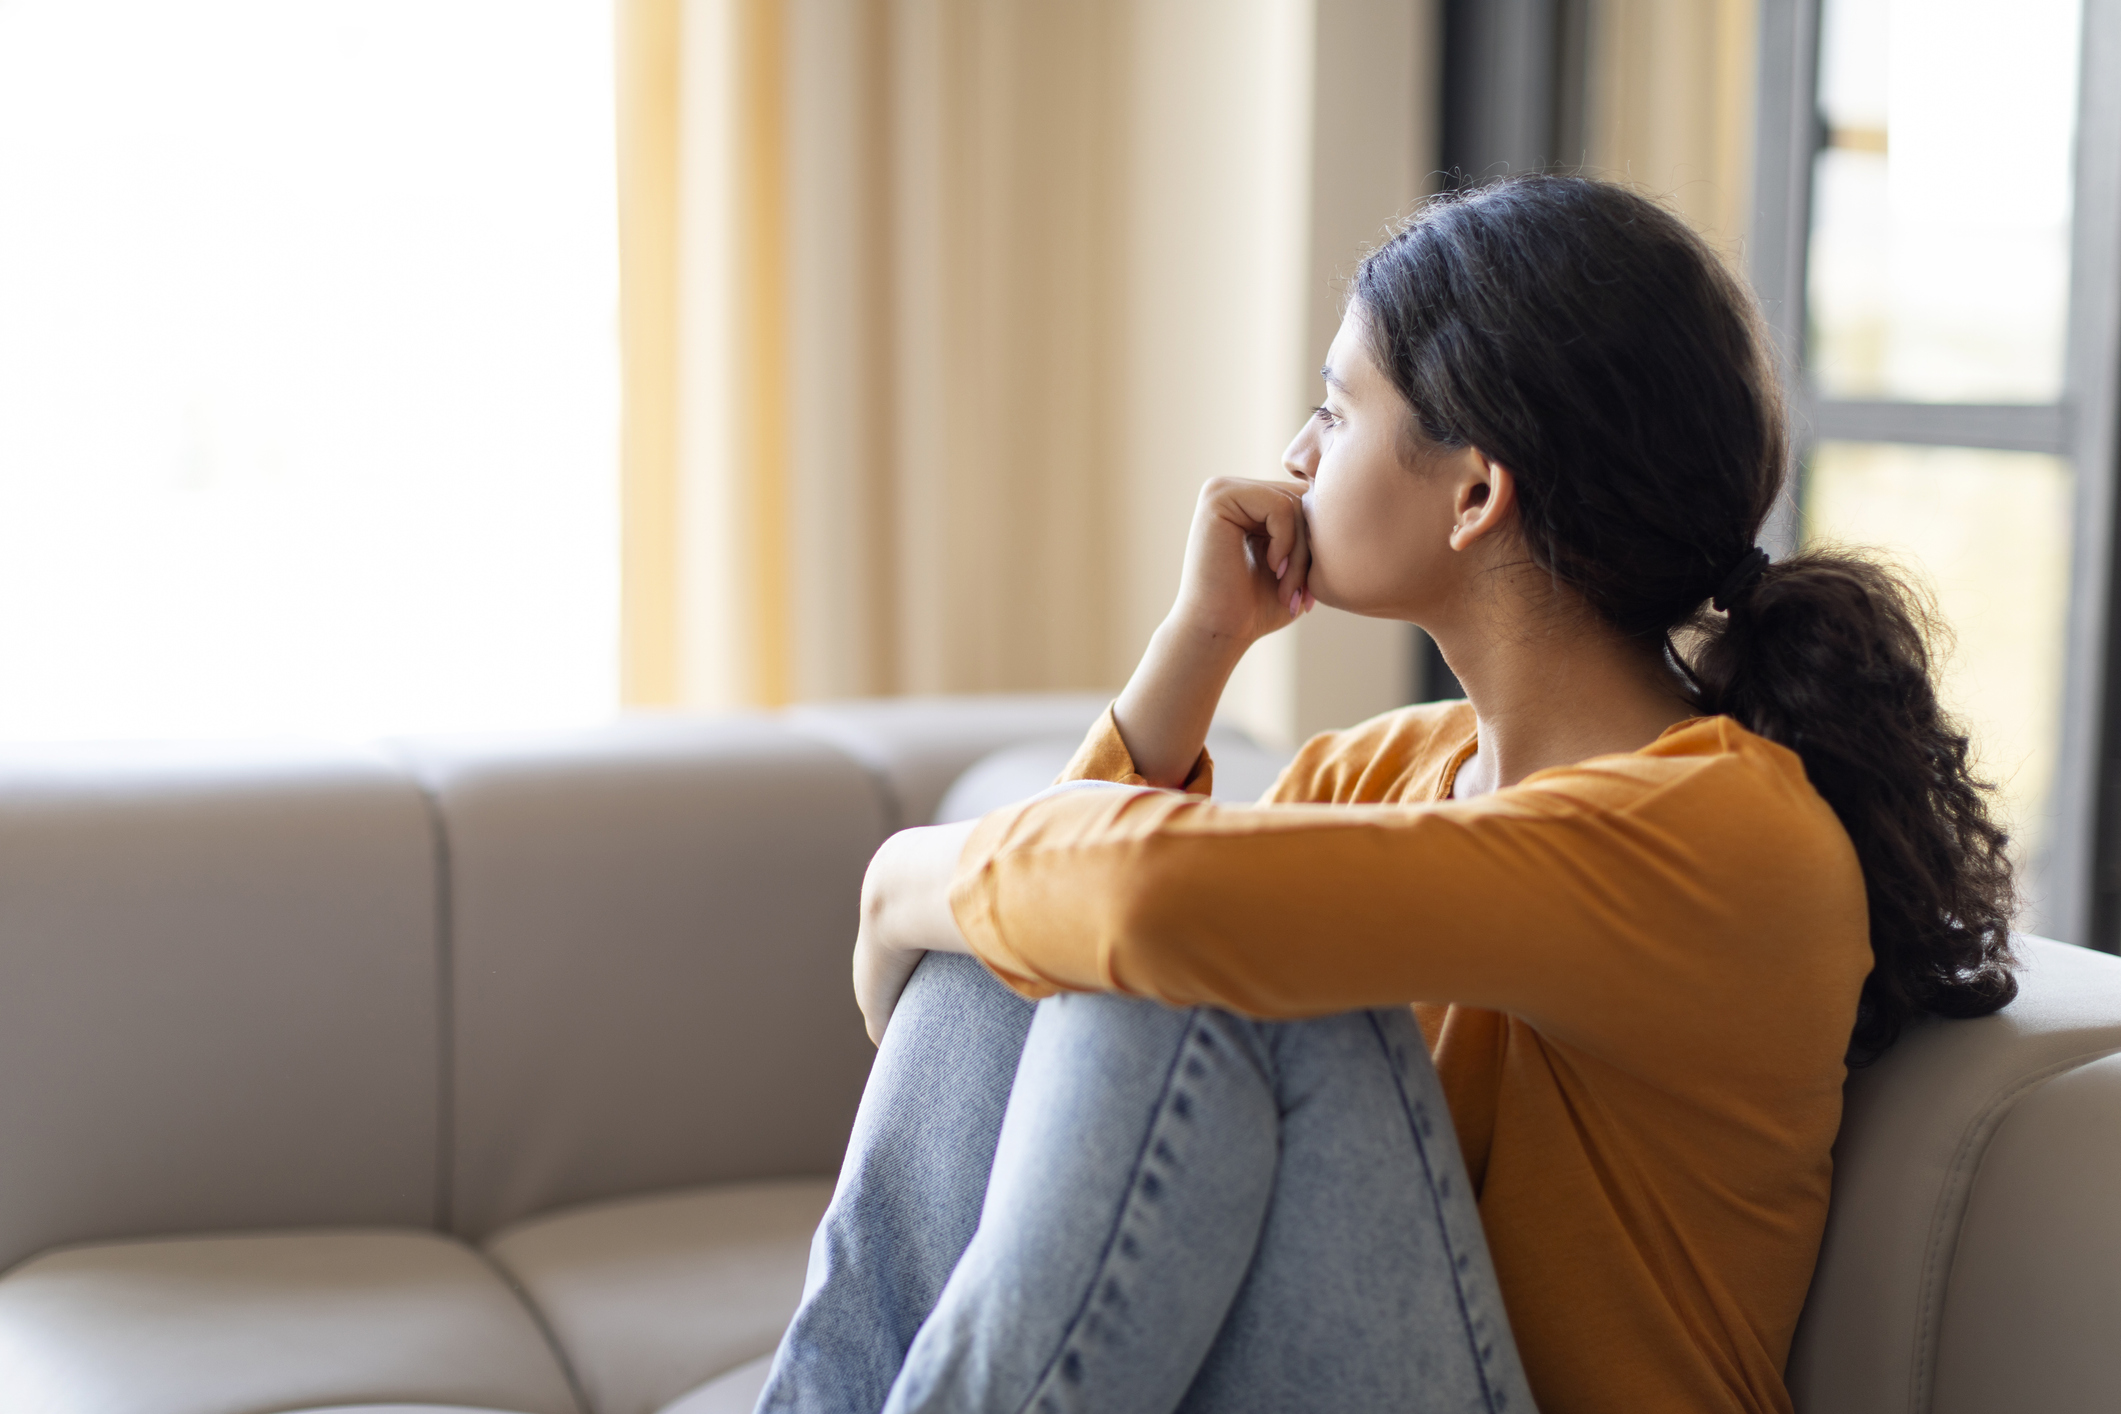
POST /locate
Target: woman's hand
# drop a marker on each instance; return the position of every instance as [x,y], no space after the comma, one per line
[1248,560]
[1247,572]
[905,912]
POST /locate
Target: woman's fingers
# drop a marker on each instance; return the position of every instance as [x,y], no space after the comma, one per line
[1272,513]
[1281,517]
[1248,559]
[1288,547]
[1295,583]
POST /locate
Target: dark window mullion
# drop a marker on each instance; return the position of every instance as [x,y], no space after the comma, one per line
[1786,138]
[2078,892]
[2006,427]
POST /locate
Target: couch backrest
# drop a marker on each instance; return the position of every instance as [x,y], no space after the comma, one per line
[1970,1149]
[477,978]
[449,981]
[218,992]
[2036,1279]
[648,950]
[917,746]
[649,929]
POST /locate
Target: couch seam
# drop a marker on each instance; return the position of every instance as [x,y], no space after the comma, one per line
[445,1015]
[545,1331]
[1949,1220]
[1443,1222]
[1119,1219]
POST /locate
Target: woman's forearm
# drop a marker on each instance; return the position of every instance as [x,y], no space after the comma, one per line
[1164,713]
[906,893]
[905,912]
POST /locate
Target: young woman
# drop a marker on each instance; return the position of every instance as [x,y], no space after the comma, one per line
[1698,835]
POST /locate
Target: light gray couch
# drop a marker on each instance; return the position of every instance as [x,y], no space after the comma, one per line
[510,1073]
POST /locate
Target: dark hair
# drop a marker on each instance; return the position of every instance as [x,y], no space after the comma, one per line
[1586,339]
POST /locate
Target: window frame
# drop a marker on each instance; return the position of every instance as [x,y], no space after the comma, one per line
[2075,891]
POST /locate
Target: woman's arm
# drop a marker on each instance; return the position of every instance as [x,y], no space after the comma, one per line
[1248,557]
[1564,901]
[905,913]
[906,909]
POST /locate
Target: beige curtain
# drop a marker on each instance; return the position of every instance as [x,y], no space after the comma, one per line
[647,85]
[957,214]
[870,264]
[938,312]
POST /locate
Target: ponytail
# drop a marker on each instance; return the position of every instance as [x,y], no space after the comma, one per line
[1585,338]
[1829,656]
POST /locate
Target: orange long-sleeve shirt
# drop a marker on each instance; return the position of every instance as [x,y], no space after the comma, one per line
[1637,976]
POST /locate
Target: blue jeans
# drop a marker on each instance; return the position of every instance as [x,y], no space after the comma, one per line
[1102,1204]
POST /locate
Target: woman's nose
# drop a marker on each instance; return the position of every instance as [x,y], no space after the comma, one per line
[1301,460]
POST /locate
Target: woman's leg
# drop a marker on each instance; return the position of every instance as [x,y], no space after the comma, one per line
[1273,1216]
[909,1191]
[1371,1287]
[1188,1208]
[1133,1172]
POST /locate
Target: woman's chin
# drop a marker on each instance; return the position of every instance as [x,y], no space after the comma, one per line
[1360,605]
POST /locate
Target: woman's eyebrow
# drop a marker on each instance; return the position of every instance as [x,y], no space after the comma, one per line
[1332,378]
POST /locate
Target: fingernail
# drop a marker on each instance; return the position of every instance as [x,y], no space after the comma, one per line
[1282,568]
[1296,599]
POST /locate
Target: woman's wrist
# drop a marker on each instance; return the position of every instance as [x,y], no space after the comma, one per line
[1164,713]
[906,894]
[1200,641]
[905,912]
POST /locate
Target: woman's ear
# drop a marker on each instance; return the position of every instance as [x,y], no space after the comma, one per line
[1485,499]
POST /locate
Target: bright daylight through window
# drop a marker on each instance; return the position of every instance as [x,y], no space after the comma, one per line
[1939,273]
[308,365]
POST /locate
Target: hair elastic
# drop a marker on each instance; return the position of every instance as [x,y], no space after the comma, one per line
[1740,581]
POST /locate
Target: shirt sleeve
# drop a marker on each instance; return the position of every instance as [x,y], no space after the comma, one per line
[1103,756]
[1556,901]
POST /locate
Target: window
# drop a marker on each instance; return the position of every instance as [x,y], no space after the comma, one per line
[1936,243]
[308,377]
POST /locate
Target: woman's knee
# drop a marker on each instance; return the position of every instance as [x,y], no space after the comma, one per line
[956,985]
[1137,1035]
[1381,1055]
[954,1015]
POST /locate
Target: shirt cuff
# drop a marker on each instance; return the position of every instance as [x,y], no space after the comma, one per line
[1103,756]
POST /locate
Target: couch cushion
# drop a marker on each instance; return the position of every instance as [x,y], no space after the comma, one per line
[734,1393]
[650,927]
[1916,1129]
[2035,1289]
[218,992]
[916,746]
[261,1322]
[652,1296]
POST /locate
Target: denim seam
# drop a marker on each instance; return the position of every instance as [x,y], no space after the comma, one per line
[1119,1221]
[1443,1222]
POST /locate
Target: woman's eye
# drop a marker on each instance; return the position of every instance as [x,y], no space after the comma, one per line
[1324,414]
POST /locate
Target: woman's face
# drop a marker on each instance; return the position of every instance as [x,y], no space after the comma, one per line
[1382,511]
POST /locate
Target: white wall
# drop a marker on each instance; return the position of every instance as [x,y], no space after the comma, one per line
[1275,142]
